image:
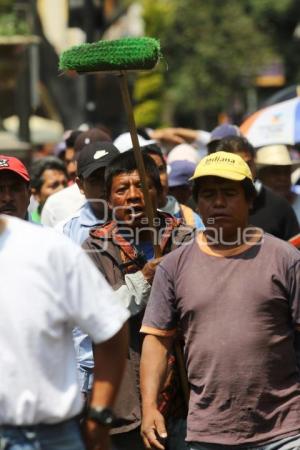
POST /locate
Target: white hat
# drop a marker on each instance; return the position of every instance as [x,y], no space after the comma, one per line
[124,142]
[274,155]
[183,152]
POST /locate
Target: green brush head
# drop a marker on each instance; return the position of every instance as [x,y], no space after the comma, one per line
[122,54]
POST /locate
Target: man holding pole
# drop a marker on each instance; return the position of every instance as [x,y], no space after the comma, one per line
[125,246]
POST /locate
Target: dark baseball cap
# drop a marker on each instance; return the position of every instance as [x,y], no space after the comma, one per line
[94,156]
[223,131]
[89,136]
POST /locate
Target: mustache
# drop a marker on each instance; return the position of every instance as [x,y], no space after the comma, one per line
[9,205]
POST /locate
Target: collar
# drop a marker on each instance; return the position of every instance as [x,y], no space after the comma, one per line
[130,254]
[209,250]
[87,216]
[172,206]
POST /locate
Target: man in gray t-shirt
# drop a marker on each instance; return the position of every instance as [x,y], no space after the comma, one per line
[234,293]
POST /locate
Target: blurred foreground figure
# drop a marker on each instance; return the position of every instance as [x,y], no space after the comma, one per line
[234,294]
[51,286]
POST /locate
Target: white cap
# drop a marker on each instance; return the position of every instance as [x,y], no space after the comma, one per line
[183,152]
[124,142]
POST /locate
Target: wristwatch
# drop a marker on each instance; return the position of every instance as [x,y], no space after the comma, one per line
[101,415]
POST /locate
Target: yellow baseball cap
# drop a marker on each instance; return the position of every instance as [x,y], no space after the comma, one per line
[223,165]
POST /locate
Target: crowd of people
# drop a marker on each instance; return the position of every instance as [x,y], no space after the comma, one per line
[182,335]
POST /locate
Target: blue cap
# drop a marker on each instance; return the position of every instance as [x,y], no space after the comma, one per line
[223,131]
[180,172]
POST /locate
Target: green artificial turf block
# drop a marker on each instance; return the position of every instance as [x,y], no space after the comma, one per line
[121,54]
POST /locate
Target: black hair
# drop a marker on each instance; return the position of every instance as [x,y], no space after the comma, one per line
[248,186]
[212,146]
[70,141]
[154,149]
[39,167]
[142,131]
[125,163]
[235,144]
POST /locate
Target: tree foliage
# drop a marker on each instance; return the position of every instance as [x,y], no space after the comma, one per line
[146,93]
[280,20]
[10,21]
[214,49]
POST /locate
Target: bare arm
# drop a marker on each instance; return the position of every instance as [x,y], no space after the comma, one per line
[174,136]
[153,370]
[110,357]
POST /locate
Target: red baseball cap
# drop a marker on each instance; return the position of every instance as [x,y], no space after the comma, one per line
[14,165]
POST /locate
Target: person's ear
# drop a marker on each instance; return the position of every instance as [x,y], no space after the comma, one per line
[79,183]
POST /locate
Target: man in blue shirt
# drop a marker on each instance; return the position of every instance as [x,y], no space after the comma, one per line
[91,164]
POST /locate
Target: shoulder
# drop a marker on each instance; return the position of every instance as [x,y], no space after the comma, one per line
[57,197]
[102,244]
[62,204]
[41,239]
[101,234]
[65,225]
[276,200]
[177,257]
[280,249]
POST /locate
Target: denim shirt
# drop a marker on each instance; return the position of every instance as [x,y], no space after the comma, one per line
[78,228]
[173,207]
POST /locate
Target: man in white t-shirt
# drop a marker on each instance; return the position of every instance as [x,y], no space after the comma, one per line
[48,285]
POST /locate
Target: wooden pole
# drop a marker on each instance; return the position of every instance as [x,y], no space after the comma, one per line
[138,156]
[149,209]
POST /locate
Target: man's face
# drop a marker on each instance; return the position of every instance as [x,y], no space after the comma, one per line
[277,178]
[223,206]
[126,198]
[53,181]
[70,163]
[93,189]
[14,194]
